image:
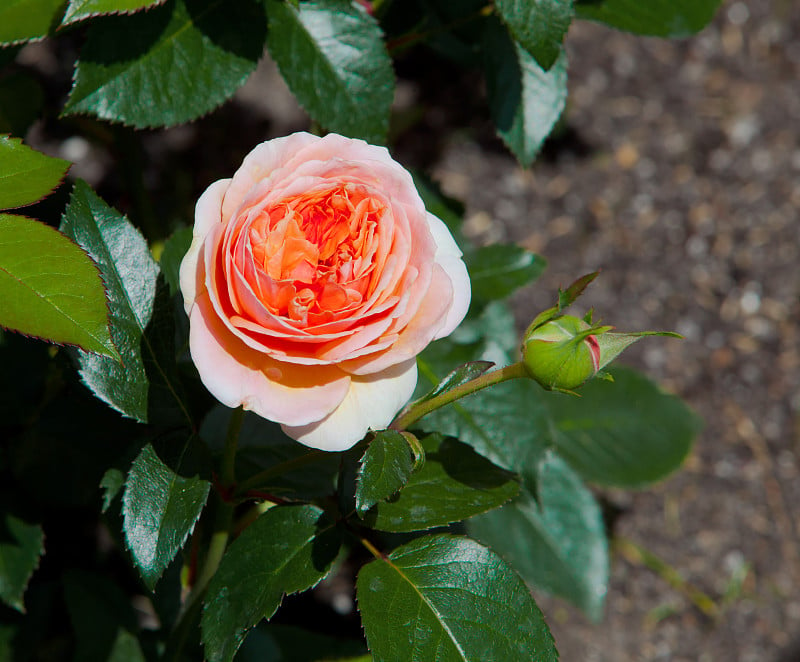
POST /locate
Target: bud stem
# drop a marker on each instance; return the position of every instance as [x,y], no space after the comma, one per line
[417,411]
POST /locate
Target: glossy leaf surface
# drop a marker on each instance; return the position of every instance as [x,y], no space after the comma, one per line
[525,100]
[554,537]
[449,598]
[538,25]
[287,549]
[160,507]
[384,468]
[332,55]
[129,273]
[78,10]
[168,65]
[453,484]
[26,175]
[49,288]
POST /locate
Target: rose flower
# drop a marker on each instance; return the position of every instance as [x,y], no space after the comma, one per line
[314,278]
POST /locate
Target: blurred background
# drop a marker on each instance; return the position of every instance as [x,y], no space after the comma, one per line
[676,171]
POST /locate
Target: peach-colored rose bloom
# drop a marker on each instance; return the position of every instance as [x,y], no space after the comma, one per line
[314,278]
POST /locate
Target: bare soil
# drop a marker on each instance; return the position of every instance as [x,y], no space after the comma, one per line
[678,175]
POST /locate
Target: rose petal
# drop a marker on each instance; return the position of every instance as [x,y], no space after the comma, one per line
[448,255]
[206,215]
[236,375]
[370,404]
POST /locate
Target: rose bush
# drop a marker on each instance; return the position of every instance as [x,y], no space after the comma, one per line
[314,278]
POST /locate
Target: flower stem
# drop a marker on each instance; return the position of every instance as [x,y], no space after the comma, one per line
[420,409]
[223,520]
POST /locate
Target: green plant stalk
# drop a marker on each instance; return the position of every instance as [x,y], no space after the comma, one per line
[637,554]
[416,411]
[223,522]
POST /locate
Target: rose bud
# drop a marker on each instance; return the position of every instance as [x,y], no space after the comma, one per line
[563,353]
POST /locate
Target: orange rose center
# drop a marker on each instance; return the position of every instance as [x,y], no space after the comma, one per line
[318,249]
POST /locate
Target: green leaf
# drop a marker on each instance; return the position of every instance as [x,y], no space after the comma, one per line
[130,276]
[453,484]
[50,288]
[497,270]
[77,10]
[461,375]
[538,25]
[332,55]
[160,508]
[112,483]
[286,550]
[383,469]
[558,543]
[448,598]
[661,18]
[103,619]
[171,257]
[525,101]
[168,65]
[21,545]
[22,20]
[625,433]
[506,423]
[26,175]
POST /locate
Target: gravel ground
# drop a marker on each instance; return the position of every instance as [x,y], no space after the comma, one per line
[678,177]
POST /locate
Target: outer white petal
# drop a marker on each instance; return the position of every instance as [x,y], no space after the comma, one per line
[237,375]
[207,214]
[370,404]
[448,255]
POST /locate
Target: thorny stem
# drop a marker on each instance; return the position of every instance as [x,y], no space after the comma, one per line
[417,411]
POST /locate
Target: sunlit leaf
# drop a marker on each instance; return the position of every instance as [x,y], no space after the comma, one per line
[130,276]
[78,10]
[26,176]
[383,469]
[525,100]
[332,55]
[168,65]
[160,507]
[21,20]
[49,288]
[453,484]
[449,598]
[538,25]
